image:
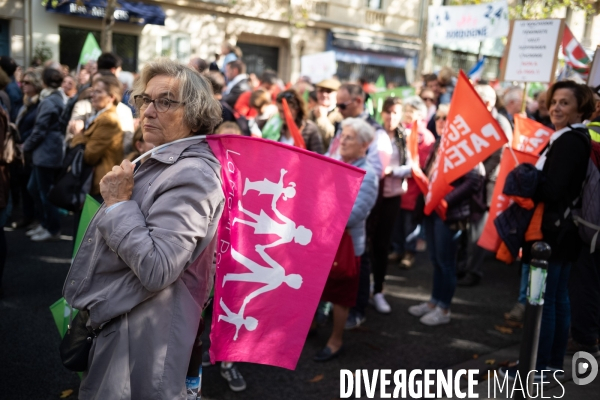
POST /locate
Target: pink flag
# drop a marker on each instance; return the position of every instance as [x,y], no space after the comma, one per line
[286,209]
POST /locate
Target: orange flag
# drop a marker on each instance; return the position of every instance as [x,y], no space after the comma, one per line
[530,136]
[298,139]
[489,239]
[412,142]
[471,135]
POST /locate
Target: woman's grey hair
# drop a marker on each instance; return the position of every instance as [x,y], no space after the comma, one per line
[201,111]
[364,132]
[487,94]
[443,110]
[417,103]
[36,79]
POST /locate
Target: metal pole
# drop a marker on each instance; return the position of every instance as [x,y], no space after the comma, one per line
[538,271]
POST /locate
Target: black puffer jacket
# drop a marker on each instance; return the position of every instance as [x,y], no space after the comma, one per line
[468,190]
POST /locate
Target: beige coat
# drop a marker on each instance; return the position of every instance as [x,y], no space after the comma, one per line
[103,141]
[144,272]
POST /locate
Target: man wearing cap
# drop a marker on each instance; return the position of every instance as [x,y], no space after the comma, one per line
[326,114]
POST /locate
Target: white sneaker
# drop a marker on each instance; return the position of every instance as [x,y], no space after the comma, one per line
[45,236]
[420,309]
[381,305]
[35,231]
[436,317]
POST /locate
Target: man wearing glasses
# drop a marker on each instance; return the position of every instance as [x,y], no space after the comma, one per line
[351,104]
[325,114]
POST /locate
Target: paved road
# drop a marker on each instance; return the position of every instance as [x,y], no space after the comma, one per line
[30,366]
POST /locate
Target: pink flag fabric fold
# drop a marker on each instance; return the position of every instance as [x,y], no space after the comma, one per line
[286,209]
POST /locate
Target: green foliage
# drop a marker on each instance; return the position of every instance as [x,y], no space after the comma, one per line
[538,9]
[42,52]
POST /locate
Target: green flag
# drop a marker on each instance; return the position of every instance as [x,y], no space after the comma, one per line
[61,312]
[90,207]
[90,51]
[380,84]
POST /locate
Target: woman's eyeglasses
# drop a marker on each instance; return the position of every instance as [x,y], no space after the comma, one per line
[439,117]
[428,99]
[26,83]
[161,104]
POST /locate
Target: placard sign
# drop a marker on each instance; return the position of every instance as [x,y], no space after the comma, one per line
[318,66]
[532,50]
[475,22]
[594,77]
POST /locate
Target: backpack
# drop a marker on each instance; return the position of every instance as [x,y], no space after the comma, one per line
[73,182]
[587,218]
[240,120]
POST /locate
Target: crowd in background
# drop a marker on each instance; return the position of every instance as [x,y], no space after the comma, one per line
[55,110]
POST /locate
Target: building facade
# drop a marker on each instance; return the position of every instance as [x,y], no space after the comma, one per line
[369,37]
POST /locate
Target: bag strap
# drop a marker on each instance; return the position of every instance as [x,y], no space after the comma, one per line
[579,220]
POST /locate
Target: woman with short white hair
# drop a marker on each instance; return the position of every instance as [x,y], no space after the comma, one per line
[143,271]
[355,139]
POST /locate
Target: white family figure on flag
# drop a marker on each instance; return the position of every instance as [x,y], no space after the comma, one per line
[272,276]
[238,320]
[274,189]
[265,225]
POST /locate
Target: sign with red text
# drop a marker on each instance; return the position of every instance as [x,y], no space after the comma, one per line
[532,50]
[471,135]
[489,239]
[286,209]
[530,136]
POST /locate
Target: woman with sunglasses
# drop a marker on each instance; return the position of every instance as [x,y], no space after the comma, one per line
[385,211]
[102,134]
[31,85]
[308,129]
[407,230]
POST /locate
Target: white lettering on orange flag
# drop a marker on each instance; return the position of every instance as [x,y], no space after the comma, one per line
[471,136]
[530,136]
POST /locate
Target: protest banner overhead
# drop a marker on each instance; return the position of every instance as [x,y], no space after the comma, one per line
[594,77]
[474,22]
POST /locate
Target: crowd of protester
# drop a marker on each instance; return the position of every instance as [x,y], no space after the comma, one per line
[55,110]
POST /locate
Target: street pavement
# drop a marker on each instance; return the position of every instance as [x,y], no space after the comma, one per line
[30,366]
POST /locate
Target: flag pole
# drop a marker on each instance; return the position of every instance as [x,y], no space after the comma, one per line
[523,107]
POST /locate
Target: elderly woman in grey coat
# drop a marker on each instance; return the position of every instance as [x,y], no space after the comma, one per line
[143,271]
[355,139]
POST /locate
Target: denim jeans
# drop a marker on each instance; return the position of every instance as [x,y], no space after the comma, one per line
[39,185]
[524,283]
[404,226]
[556,317]
[442,245]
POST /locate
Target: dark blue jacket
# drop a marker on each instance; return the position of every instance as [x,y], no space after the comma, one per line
[46,139]
[26,122]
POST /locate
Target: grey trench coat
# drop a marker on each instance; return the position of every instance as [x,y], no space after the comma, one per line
[144,271]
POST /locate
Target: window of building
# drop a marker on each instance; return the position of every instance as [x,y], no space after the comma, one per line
[374,4]
[259,58]
[72,40]
[174,46]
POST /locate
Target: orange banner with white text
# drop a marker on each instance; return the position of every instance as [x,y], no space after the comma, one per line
[471,135]
[489,239]
[530,136]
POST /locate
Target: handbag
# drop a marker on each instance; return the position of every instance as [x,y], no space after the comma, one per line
[344,263]
[76,344]
[73,183]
